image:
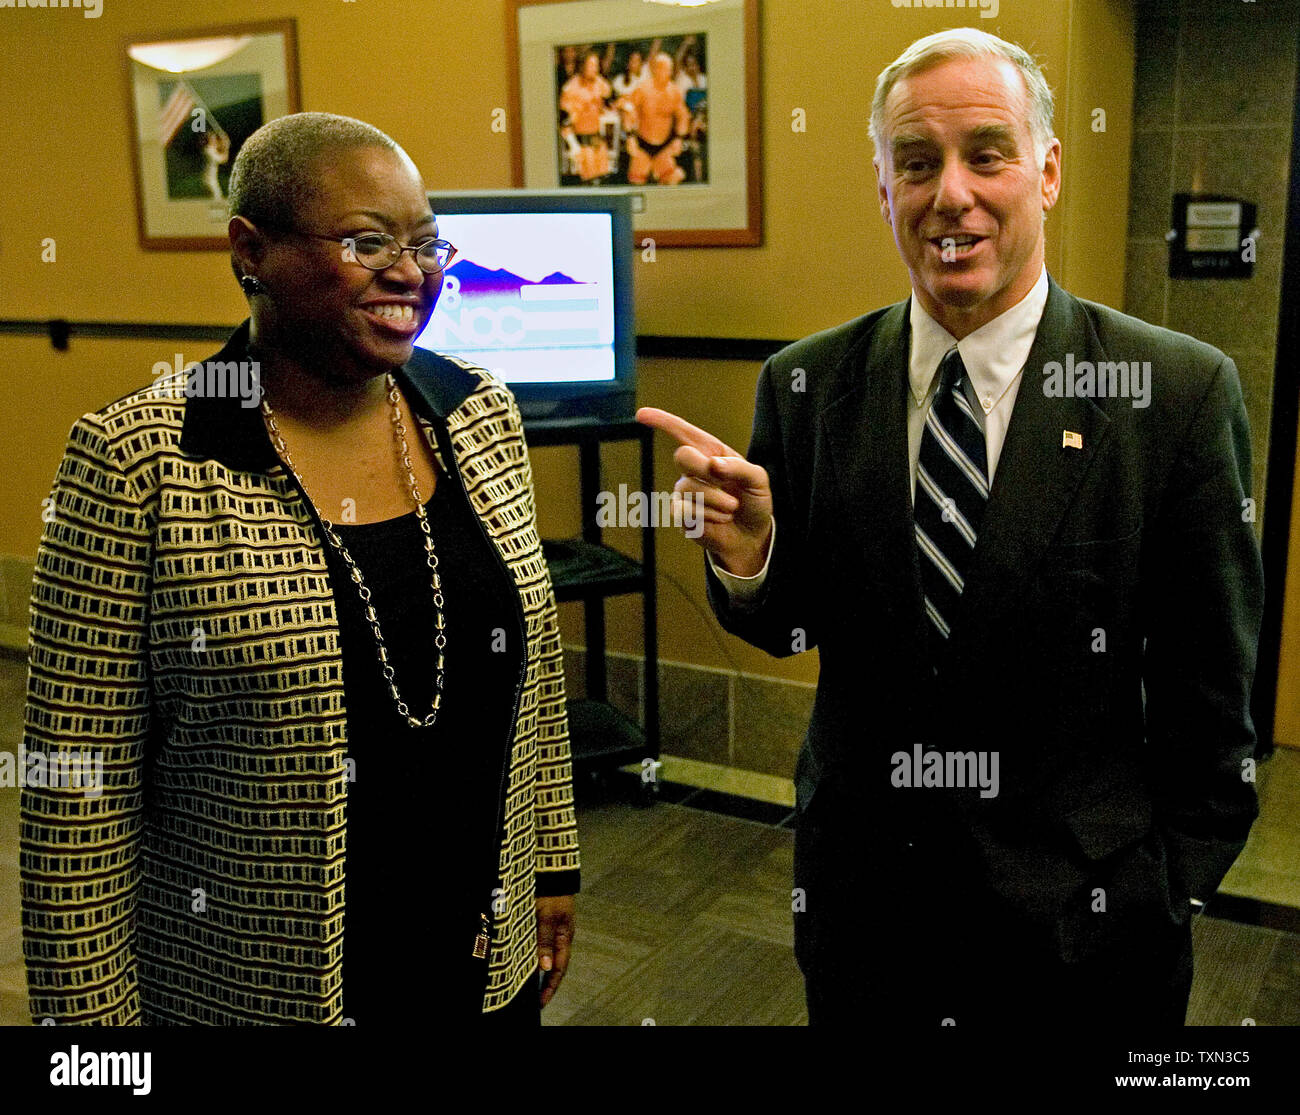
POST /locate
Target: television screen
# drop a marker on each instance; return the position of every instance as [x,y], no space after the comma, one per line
[529,296]
[540,294]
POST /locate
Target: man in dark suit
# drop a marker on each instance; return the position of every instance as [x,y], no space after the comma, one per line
[1014,524]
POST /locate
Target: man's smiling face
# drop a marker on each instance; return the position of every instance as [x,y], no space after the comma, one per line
[961,187]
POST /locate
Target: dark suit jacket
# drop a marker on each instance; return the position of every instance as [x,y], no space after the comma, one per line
[1142,533]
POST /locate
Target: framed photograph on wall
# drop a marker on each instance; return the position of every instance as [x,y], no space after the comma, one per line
[651,98]
[195,98]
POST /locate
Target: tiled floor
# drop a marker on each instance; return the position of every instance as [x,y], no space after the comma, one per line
[1269,867]
[684,916]
[683,919]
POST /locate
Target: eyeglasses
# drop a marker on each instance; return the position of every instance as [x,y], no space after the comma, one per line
[378,251]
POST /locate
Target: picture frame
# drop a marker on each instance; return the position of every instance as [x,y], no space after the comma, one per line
[195,98]
[693,164]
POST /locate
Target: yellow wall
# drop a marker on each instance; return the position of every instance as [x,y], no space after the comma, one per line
[827,254]
[1097,148]
[1286,729]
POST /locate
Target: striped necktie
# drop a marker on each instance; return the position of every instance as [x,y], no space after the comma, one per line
[952,490]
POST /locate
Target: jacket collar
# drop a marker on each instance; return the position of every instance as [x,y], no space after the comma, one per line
[225,430]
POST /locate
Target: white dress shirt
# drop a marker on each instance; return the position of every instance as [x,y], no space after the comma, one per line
[994,356]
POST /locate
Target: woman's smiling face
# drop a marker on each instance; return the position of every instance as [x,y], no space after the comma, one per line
[323,301]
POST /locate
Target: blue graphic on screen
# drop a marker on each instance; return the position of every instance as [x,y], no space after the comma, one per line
[530,296]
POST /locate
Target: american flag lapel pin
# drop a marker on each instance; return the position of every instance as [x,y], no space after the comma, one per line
[1071,440]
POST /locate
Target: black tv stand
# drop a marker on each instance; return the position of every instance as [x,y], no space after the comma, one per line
[586,569]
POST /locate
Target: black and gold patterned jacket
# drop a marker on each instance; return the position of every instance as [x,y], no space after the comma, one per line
[223,756]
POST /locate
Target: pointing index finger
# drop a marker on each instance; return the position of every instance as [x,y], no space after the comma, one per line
[678,428]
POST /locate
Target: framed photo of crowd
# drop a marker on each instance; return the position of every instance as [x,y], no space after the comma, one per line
[654,99]
[195,98]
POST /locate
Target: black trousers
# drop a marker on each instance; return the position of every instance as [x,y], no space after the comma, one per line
[909,941]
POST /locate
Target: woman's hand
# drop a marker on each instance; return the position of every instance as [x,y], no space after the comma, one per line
[555,922]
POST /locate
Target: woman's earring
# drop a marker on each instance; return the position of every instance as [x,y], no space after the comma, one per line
[252,285]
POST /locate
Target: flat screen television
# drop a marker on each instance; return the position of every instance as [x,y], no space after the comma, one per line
[540,294]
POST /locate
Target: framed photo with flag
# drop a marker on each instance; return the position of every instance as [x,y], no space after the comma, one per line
[195,98]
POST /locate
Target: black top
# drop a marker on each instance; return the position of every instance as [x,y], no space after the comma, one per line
[422,835]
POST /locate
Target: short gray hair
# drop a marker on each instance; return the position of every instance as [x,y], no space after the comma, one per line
[272,180]
[967,42]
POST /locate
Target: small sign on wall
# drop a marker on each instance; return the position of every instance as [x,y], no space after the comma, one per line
[1213,237]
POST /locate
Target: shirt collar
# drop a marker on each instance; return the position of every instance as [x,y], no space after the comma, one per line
[226,430]
[993,355]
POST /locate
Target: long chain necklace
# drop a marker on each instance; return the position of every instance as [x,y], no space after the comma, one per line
[440,639]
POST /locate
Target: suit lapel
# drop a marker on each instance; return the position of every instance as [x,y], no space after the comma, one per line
[1036,476]
[866,429]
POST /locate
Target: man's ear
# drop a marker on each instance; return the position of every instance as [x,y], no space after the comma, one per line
[881,190]
[247,244]
[1051,175]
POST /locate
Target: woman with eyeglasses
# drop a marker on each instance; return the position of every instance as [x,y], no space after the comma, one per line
[314,641]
